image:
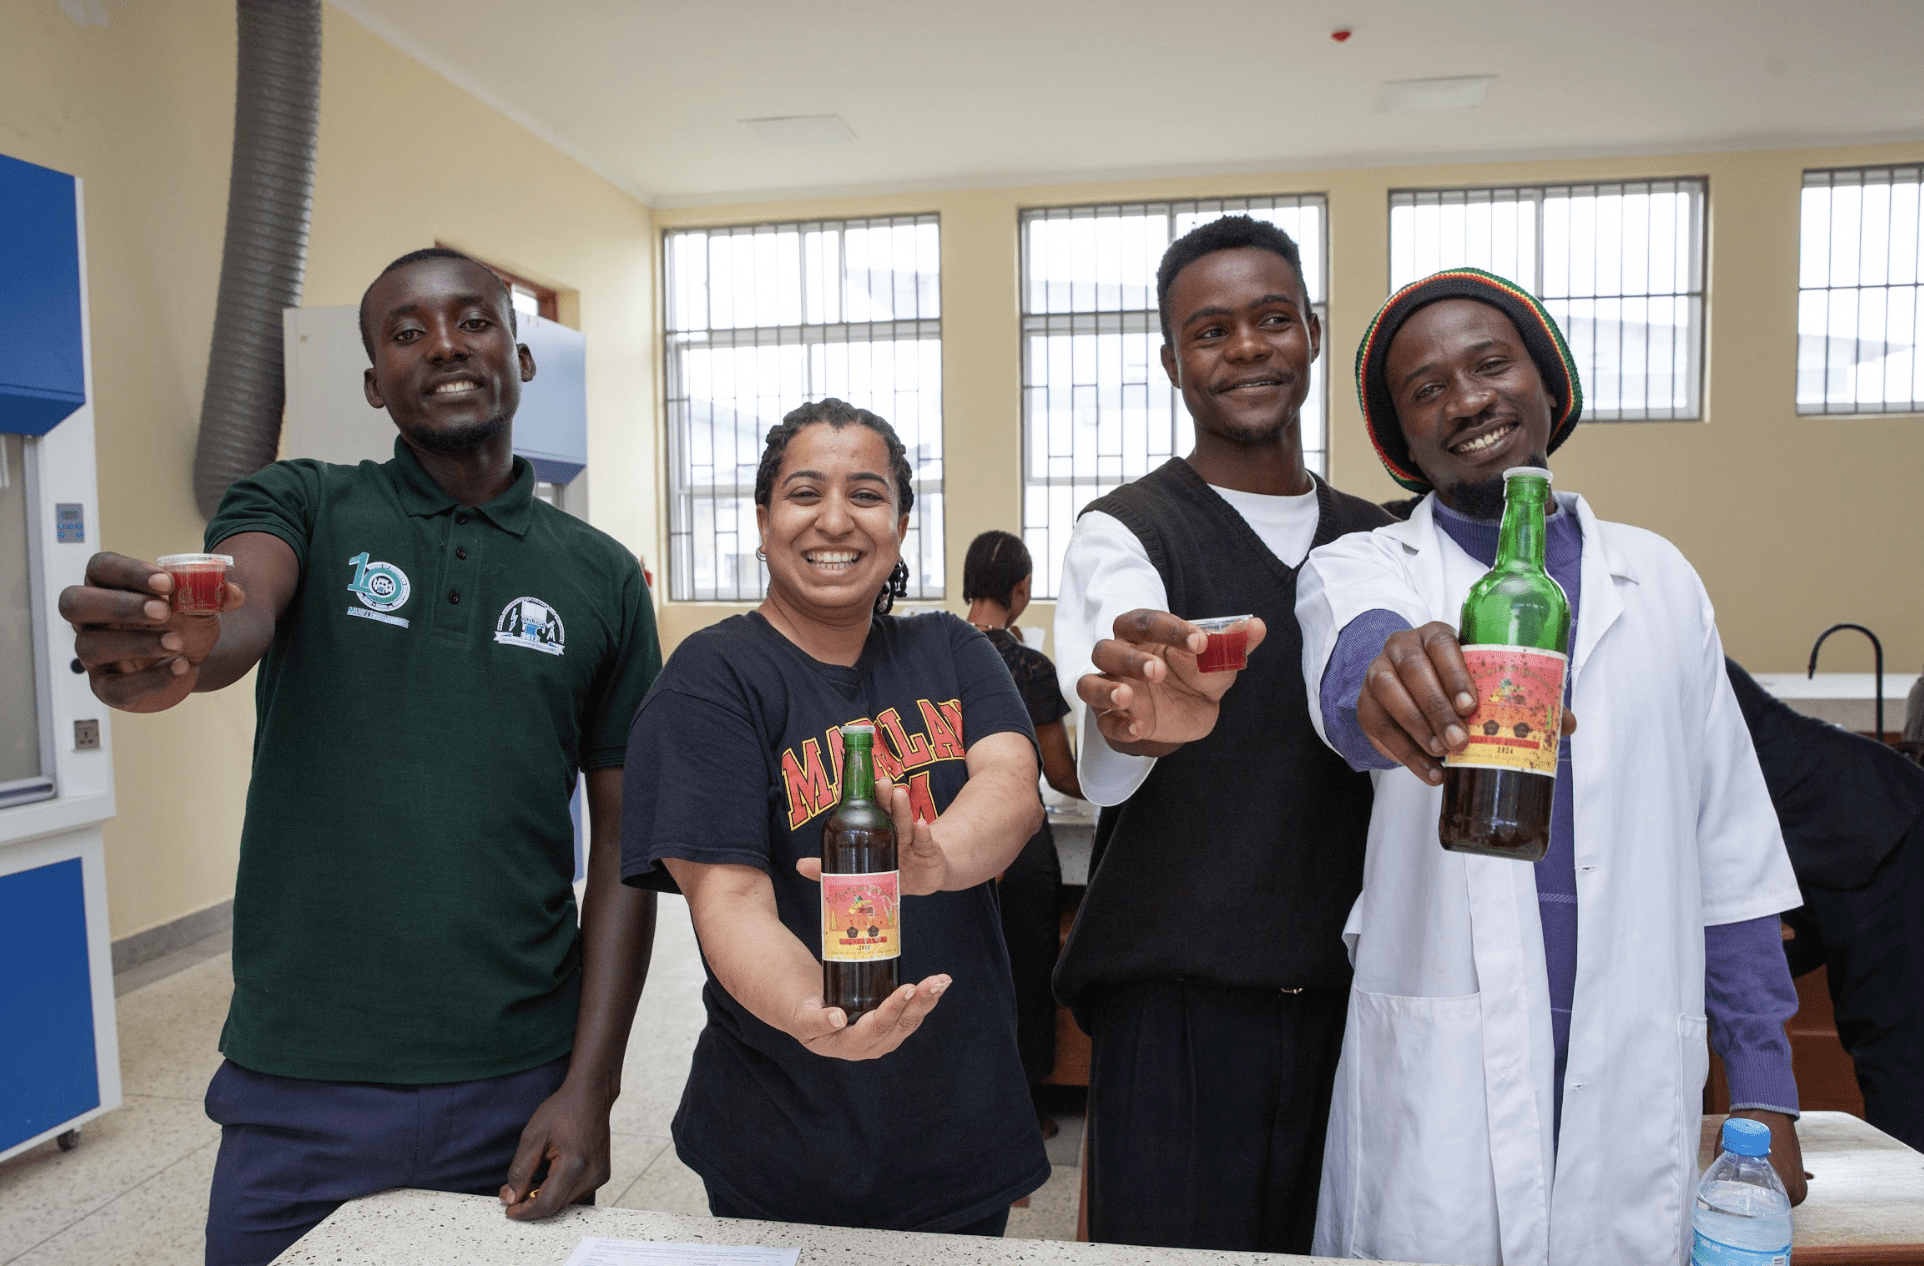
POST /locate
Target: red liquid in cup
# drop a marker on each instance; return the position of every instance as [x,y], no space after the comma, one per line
[1226,651]
[197,590]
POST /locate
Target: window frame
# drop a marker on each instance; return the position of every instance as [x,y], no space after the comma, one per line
[1823,408]
[1097,319]
[547,300]
[45,785]
[680,503]
[1693,343]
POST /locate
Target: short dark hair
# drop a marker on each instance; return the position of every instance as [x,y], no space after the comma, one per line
[1230,233]
[415,257]
[996,563]
[838,414]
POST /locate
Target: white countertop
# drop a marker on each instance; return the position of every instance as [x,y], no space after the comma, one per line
[1866,1188]
[1844,699]
[1864,1193]
[427,1228]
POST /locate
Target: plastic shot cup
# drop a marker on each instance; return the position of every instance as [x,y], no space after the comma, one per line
[1228,649]
[197,581]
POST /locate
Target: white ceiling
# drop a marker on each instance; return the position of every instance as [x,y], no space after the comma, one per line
[650,93]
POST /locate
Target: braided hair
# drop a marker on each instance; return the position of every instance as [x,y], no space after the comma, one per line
[996,563]
[838,414]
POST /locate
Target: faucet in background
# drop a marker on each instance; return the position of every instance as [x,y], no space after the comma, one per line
[1877,648]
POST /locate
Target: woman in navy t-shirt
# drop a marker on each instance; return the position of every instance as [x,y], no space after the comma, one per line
[916,1117]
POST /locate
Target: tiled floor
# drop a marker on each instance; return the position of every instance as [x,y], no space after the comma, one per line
[135,1190]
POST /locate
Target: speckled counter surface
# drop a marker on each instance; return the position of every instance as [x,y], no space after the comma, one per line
[1866,1192]
[425,1228]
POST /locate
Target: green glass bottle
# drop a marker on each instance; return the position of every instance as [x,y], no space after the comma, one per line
[861,888]
[1498,791]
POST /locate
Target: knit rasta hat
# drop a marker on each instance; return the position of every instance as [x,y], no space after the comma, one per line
[1541,339]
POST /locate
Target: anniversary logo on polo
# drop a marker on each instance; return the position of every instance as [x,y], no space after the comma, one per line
[380,588]
[532,623]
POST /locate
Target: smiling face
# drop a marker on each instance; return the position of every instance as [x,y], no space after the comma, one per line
[446,366]
[831,530]
[1470,400]
[1244,338]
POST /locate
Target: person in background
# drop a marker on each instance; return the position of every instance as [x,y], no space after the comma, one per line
[1206,963]
[1852,811]
[414,1004]
[916,1116]
[1523,1068]
[996,575]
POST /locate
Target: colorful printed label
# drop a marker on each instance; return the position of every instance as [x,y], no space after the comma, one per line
[1519,709]
[861,917]
[1705,1251]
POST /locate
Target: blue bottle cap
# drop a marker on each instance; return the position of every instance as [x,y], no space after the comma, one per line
[1746,1137]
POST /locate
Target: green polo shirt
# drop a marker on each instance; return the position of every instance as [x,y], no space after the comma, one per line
[404,910]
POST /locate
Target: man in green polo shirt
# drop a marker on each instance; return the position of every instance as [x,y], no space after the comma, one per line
[440,653]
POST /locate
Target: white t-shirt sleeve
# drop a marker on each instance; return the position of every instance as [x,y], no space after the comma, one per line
[1105,573]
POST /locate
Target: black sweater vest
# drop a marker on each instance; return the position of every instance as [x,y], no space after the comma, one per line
[1236,861]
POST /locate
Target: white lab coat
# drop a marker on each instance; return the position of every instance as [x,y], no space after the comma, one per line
[1439,1146]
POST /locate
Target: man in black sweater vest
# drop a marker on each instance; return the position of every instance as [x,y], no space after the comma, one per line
[1207,963]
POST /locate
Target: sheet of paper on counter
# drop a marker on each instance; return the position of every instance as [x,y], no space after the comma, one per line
[595,1251]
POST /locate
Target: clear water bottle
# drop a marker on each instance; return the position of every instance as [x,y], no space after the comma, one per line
[1743,1215]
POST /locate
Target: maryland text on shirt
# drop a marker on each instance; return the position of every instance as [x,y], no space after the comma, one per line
[811,789]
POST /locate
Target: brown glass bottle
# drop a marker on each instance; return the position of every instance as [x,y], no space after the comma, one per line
[1499,791]
[861,895]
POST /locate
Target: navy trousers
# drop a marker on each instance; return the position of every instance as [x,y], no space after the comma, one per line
[1207,1110]
[292,1151]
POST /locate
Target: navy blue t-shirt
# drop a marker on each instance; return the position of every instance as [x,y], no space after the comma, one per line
[735,758]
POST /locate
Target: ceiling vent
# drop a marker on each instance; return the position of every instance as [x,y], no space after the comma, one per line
[800,129]
[1458,92]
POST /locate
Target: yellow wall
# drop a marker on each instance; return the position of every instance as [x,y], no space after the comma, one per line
[142,111]
[1790,520]
[1785,517]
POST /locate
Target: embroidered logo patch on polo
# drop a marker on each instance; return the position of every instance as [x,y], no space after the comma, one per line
[532,623]
[380,588]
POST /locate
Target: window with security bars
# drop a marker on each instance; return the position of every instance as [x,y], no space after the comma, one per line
[1620,265]
[1097,408]
[762,318]
[1860,304]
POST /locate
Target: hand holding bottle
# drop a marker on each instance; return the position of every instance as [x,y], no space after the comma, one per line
[1415,696]
[924,866]
[826,1031]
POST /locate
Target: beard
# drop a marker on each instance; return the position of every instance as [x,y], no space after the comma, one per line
[1261,432]
[462,439]
[1484,498]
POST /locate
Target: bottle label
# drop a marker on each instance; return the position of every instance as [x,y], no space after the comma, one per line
[1519,709]
[861,917]
[1705,1251]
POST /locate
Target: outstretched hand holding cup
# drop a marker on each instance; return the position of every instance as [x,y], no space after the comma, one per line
[1157,683]
[142,629]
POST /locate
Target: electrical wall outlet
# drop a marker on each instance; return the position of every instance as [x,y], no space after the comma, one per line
[86,736]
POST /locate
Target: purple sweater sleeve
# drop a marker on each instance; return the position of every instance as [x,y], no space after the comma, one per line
[1360,642]
[1747,996]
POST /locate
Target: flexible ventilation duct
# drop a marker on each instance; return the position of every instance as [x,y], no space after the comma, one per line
[277,114]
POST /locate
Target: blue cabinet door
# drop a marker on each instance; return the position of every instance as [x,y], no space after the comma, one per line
[47,1073]
[42,378]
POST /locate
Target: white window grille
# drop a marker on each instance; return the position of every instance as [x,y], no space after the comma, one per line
[762,318]
[1860,304]
[1097,408]
[1620,265]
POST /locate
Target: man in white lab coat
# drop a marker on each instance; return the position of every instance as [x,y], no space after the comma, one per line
[1525,1051]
